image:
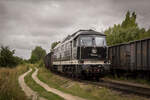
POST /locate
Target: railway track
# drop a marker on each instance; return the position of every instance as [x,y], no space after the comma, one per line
[123,87]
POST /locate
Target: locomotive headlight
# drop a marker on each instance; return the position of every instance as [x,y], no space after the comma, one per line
[94,50]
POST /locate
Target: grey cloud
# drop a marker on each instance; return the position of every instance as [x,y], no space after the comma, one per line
[141,7]
[25,24]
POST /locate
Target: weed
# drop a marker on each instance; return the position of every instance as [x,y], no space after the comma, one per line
[9,86]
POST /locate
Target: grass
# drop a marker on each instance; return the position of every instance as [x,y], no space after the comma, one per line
[9,86]
[90,92]
[41,91]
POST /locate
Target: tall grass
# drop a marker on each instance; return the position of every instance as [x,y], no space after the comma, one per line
[9,86]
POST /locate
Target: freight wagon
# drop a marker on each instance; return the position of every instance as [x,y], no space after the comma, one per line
[48,61]
[131,57]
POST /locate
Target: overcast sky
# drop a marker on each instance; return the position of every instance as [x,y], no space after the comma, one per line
[25,24]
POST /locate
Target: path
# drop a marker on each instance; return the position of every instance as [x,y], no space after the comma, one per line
[28,91]
[49,89]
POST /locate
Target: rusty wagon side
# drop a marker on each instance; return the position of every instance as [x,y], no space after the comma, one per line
[130,57]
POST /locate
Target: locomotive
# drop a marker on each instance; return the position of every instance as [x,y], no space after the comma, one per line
[80,55]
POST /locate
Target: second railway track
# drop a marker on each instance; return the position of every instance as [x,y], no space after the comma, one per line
[127,88]
[124,87]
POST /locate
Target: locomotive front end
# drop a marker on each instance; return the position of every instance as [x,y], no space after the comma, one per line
[92,55]
[81,54]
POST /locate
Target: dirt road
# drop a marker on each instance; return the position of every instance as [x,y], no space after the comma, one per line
[28,91]
[49,89]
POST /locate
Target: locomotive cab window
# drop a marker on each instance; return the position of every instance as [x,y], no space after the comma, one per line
[93,40]
[100,41]
[86,41]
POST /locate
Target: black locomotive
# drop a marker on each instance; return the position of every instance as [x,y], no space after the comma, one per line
[83,54]
[80,55]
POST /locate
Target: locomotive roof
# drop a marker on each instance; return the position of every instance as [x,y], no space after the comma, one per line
[83,32]
[87,32]
[80,32]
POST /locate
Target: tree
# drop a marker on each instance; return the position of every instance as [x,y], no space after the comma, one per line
[7,58]
[127,31]
[54,44]
[126,21]
[37,54]
[130,21]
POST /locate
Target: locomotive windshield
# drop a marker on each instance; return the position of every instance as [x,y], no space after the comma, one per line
[92,41]
[86,41]
[100,41]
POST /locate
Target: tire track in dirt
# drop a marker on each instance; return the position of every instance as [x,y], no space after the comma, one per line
[28,91]
[53,90]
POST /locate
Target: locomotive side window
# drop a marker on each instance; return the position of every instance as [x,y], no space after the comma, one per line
[67,45]
[61,48]
[75,43]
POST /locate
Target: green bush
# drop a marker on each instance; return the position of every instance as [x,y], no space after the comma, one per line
[37,54]
[7,58]
[41,63]
[9,86]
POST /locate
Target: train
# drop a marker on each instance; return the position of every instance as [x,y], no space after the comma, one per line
[80,55]
[130,59]
[85,54]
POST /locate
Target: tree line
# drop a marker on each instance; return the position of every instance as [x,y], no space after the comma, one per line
[128,30]
[8,59]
